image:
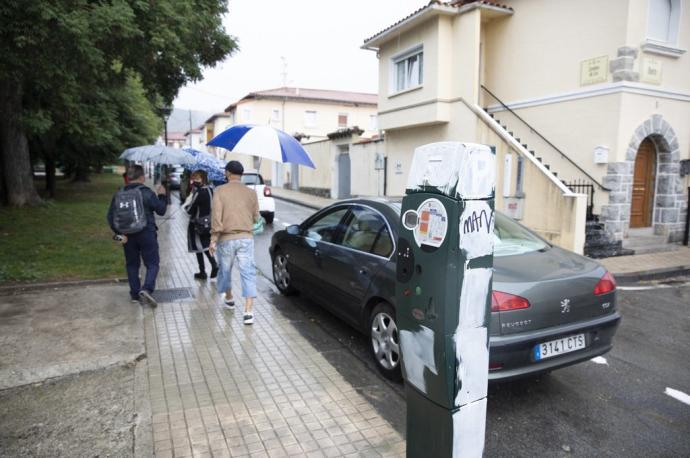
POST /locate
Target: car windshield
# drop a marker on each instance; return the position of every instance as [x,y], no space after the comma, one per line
[252,178]
[510,238]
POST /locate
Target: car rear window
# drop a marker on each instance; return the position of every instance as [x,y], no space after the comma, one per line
[252,178]
[510,238]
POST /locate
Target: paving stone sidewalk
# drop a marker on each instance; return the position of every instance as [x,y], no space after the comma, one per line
[220,388]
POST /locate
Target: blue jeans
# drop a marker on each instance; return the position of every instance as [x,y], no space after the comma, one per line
[226,253]
[142,245]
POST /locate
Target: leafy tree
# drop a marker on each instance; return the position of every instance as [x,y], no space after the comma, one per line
[79,79]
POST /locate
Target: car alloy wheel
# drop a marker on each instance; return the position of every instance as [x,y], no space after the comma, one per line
[281,276]
[385,341]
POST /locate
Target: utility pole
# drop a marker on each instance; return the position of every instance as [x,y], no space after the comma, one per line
[191,145]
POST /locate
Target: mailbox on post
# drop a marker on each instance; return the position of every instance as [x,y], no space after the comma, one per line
[443,295]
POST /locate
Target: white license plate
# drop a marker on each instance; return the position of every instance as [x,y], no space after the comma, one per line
[558,347]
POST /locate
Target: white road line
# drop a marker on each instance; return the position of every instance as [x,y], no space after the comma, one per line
[286,224]
[600,360]
[679,395]
[657,286]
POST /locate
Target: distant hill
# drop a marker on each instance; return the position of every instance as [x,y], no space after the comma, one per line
[179,119]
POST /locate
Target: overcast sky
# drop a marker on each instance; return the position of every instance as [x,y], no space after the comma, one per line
[320,40]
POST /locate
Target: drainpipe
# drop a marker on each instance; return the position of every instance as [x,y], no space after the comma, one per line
[687,221]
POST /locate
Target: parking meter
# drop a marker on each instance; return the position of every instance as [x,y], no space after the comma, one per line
[443,296]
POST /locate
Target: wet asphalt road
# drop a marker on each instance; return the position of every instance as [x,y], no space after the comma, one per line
[617,406]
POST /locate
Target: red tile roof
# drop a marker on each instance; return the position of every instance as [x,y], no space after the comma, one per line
[319,95]
[455,4]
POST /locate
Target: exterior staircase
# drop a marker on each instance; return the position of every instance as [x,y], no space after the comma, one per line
[598,243]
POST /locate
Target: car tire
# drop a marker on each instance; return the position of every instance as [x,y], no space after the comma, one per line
[281,275]
[269,217]
[384,342]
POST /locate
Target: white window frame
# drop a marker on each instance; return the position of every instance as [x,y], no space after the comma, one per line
[417,50]
[275,115]
[246,114]
[373,122]
[668,46]
[308,122]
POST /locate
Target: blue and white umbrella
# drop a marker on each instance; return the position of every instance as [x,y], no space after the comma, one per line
[214,167]
[262,141]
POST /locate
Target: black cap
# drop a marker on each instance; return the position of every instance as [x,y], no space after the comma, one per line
[234,168]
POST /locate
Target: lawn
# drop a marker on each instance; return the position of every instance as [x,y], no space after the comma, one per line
[67,238]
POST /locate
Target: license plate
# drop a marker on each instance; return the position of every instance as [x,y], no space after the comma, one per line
[558,347]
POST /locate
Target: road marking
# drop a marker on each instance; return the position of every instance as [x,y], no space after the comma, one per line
[600,360]
[658,286]
[679,395]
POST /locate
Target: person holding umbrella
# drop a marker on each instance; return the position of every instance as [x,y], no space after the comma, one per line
[234,211]
[199,228]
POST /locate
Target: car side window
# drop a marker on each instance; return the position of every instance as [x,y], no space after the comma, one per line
[364,231]
[383,246]
[325,228]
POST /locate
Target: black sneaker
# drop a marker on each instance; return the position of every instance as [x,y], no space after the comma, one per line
[147,299]
[214,272]
[201,276]
[248,318]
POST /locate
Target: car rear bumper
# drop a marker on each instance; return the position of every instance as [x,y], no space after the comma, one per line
[515,354]
[267,205]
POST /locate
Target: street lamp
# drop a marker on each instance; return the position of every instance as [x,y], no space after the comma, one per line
[165,114]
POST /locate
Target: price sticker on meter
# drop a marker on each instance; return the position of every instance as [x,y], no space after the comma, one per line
[429,223]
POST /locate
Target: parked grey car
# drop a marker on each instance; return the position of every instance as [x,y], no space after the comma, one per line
[550,307]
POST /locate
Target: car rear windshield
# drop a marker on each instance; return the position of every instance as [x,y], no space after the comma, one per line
[252,178]
[510,238]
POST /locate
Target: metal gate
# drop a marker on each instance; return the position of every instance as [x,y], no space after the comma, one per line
[343,175]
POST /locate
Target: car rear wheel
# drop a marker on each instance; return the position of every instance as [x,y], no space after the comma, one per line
[281,275]
[269,217]
[385,341]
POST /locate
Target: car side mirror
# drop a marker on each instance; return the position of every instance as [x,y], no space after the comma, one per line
[293,229]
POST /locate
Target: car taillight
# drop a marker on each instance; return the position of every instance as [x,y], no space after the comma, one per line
[503,302]
[605,285]
[267,191]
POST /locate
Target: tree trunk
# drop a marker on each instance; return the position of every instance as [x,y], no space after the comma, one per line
[16,161]
[81,174]
[50,176]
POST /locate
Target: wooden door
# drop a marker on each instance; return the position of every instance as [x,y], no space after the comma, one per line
[643,185]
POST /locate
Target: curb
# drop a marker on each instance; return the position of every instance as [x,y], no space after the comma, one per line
[297,202]
[629,278]
[29,287]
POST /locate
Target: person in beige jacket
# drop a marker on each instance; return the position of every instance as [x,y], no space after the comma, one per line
[235,209]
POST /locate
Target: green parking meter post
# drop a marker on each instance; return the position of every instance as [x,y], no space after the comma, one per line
[443,297]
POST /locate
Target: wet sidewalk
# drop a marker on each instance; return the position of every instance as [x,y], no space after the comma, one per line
[220,388]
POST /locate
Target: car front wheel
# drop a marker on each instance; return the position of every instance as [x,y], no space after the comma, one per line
[385,341]
[268,217]
[281,275]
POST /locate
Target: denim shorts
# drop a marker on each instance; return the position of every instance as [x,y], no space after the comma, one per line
[242,251]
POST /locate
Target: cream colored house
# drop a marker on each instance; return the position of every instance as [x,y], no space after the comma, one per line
[589,92]
[309,114]
[214,125]
[194,139]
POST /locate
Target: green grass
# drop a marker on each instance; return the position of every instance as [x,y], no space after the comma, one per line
[67,238]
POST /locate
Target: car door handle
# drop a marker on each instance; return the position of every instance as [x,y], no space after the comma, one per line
[363,271]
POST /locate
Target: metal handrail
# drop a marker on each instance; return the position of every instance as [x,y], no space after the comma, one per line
[563,155]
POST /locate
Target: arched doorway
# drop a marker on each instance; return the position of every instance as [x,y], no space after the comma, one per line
[644,179]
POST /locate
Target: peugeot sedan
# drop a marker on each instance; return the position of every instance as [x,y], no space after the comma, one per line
[550,307]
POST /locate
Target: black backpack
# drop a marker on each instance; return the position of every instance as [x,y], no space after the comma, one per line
[129,214]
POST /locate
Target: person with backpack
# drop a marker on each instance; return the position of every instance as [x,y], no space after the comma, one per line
[131,217]
[199,228]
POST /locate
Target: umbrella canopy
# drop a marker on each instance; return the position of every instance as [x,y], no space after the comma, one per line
[214,167]
[159,154]
[262,141]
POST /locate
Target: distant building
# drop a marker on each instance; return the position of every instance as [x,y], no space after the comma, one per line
[194,139]
[177,139]
[308,114]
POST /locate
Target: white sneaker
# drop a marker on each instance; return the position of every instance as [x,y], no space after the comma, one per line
[248,318]
[230,305]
